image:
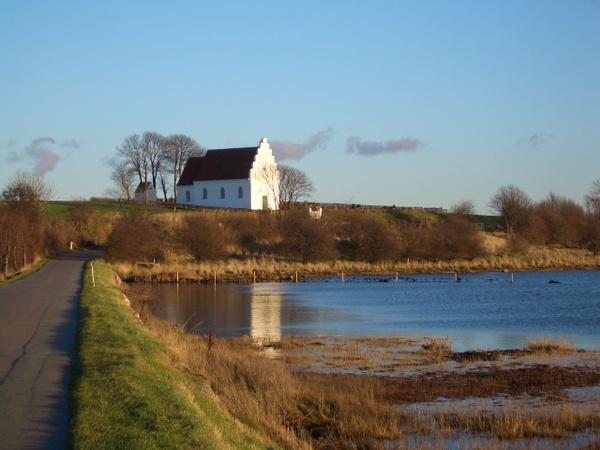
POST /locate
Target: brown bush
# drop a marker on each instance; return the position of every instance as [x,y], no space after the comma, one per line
[367,239]
[414,242]
[561,221]
[134,238]
[591,233]
[456,238]
[252,232]
[202,236]
[59,235]
[307,239]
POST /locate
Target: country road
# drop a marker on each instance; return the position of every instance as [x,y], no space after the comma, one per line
[38,324]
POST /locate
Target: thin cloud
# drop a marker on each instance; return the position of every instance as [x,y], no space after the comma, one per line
[111,162]
[44,158]
[534,141]
[71,143]
[355,145]
[288,150]
[41,153]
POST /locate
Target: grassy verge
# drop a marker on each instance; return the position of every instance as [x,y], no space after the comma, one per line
[126,394]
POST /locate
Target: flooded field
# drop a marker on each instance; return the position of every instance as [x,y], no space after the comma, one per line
[544,396]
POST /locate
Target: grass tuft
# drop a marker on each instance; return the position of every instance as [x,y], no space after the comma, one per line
[550,344]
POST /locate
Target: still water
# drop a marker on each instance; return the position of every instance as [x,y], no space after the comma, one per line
[477,311]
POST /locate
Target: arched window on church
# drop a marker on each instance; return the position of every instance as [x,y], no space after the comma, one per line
[188,196]
[204,194]
[222,192]
[240,192]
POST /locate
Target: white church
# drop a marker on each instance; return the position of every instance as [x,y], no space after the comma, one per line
[243,178]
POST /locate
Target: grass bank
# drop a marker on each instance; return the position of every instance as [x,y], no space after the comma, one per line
[126,393]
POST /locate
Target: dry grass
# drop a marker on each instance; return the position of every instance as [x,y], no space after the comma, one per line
[550,344]
[267,268]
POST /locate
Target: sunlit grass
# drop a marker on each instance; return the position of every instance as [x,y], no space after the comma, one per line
[550,344]
[126,394]
[267,268]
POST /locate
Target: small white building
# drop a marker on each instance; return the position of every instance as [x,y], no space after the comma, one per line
[244,178]
[145,192]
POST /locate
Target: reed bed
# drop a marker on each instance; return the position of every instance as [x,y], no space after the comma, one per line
[268,268]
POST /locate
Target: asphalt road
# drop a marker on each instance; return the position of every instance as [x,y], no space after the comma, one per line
[38,324]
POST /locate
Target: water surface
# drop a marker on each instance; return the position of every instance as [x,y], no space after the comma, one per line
[477,311]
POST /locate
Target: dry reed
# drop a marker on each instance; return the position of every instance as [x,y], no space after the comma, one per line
[267,268]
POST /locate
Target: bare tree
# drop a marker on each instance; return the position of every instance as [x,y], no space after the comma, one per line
[123,177]
[25,197]
[154,150]
[179,148]
[26,187]
[145,155]
[562,221]
[592,200]
[269,176]
[464,208]
[513,206]
[164,183]
[293,186]
[132,151]
[592,231]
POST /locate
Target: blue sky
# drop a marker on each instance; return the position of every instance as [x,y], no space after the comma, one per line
[407,103]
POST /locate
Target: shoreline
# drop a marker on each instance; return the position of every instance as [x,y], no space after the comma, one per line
[252,270]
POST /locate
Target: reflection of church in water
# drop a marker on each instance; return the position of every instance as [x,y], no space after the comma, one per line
[225,311]
[265,315]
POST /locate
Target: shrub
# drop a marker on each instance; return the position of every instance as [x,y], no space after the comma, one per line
[457,237]
[133,238]
[202,236]
[307,239]
[369,239]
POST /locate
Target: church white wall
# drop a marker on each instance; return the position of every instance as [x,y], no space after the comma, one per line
[213,198]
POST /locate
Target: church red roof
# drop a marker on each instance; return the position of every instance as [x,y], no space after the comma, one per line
[224,164]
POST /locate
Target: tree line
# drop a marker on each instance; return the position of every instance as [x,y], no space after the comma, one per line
[28,233]
[358,235]
[554,221]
